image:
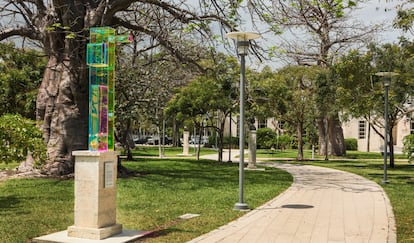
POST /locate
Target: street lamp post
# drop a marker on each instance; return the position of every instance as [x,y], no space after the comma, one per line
[386,78]
[230,142]
[243,41]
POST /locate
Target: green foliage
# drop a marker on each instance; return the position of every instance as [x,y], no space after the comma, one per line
[18,137]
[208,93]
[408,148]
[233,140]
[283,142]
[361,92]
[404,19]
[21,74]
[265,138]
[351,144]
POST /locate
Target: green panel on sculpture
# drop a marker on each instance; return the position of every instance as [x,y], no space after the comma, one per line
[93,117]
[103,118]
[97,55]
[100,57]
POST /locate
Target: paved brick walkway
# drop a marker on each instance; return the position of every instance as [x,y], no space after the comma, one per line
[322,205]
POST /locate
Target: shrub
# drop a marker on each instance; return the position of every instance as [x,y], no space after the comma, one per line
[351,144]
[408,148]
[18,137]
[265,138]
[283,142]
[234,142]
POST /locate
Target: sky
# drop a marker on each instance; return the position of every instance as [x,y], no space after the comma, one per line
[382,12]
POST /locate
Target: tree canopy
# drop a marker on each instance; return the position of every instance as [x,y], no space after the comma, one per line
[60,28]
[361,92]
[22,72]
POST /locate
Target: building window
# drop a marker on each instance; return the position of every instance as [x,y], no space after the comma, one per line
[361,129]
[262,123]
[412,127]
[280,127]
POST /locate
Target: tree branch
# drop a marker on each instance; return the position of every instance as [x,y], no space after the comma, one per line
[164,42]
[19,31]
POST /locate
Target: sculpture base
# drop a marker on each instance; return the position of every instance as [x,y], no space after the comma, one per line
[62,237]
[94,233]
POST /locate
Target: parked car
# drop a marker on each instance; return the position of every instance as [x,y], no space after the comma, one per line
[141,140]
[196,140]
[154,140]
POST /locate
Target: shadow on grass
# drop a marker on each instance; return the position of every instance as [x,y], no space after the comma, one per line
[9,202]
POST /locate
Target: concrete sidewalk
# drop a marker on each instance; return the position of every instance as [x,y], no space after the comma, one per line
[322,205]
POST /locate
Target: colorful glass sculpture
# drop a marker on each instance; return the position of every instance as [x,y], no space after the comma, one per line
[100,57]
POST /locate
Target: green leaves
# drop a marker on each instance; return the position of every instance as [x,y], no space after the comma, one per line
[404,19]
[18,137]
[408,148]
[21,74]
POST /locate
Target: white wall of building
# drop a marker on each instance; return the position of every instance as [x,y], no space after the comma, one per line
[353,129]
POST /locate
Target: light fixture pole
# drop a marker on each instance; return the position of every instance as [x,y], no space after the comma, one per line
[230,141]
[386,79]
[243,41]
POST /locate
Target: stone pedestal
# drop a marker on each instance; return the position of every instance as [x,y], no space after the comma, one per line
[186,145]
[252,150]
[95,195]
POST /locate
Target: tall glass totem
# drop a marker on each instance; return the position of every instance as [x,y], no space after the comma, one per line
[100,57]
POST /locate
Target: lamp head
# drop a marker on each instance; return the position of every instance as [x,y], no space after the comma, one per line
[242,47]
[386,77]
[387,81]
[243,40]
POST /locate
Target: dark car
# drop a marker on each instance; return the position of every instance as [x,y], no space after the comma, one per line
[141,140]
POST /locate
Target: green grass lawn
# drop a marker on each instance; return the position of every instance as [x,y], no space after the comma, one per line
[307,154]
[8,166]
[167,188]
[400,190]
[168,151]
[164,190]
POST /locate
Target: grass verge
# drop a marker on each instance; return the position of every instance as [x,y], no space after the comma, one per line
[164,190]
[307,154]
[168,151]
[8,166]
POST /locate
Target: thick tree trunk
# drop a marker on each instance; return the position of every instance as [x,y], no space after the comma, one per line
[322,137]
[61,110]
[300,141]
[336,137]
[336,142]
[125,138]
[176,134]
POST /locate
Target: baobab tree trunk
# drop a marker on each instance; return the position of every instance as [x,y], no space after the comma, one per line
[336,141]
[322,131]
[336,137]
[61,111]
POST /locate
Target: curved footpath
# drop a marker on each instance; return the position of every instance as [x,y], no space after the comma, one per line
[322,205]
